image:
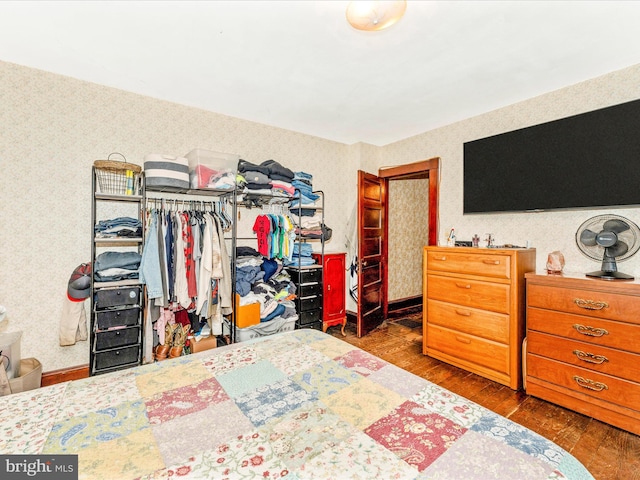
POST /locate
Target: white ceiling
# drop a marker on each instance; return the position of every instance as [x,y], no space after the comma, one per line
[299,65]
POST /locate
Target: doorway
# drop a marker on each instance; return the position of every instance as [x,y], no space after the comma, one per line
[373,307]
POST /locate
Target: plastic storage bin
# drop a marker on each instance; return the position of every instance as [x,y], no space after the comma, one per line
[276,325]
[212,170]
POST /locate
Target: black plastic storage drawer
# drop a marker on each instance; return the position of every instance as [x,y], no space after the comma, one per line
[314,325]
[308,289]
[310,316]
[114,297]
[121,317]
[305,275]
[309,303]
[117,338]
[117,357]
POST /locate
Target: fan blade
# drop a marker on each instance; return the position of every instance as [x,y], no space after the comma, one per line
[615,225]
[620,248]
[588,238]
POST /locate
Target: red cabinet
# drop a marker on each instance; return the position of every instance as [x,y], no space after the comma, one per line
[334,308]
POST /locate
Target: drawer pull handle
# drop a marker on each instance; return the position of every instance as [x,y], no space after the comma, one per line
[590,384]
[491,262]
[463,340]
[590,304]
[463,285]
[590,331]
[590,357]
[463,313]
[442,259]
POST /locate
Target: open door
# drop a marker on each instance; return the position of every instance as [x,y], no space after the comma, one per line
[372,252]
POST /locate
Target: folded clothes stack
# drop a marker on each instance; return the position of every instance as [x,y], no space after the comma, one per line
[112,266]
[308,226]
[119,227]
[267,178]
[301,255]
[303,185]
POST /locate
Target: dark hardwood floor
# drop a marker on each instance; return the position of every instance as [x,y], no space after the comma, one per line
[609,453]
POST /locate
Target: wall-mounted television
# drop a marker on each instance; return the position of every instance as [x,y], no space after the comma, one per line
[591,160]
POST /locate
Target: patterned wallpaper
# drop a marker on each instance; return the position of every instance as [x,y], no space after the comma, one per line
[54,127]
[546,231]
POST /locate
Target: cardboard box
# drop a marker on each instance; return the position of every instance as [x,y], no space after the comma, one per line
[247,315]
[205,343]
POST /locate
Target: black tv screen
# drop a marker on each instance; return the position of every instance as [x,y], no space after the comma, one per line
[591,160]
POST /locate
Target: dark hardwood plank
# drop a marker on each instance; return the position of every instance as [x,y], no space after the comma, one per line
[609,453]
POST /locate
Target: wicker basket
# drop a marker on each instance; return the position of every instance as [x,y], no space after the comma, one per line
[114,177]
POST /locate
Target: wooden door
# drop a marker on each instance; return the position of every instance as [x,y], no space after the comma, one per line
[372,252]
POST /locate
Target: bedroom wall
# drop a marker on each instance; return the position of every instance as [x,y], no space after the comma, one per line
[53,127]
[546,231]
[408,233]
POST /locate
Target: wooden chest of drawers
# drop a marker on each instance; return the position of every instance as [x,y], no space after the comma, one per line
[583,346]
[473,311]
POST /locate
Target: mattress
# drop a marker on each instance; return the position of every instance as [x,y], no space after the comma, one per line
[298,404]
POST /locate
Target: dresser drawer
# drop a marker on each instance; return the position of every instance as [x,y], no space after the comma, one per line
[115,297]
[309,289]
[607,333]
[607,305]
[117,338]
[470,293]
[120,317]
[305,275]
[304,304]
[594,384]
[310,316]
[593,357]
[117,357]
[468,347]
[485,265]
[481,323]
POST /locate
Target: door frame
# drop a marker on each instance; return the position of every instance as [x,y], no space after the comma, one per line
[423,169]
[416,170]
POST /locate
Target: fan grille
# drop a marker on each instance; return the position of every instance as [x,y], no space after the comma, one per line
[592,228]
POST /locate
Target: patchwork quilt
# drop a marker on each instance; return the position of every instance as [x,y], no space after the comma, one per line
[296,405]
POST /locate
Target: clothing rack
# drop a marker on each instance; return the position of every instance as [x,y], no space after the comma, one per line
[220,207]
[275,208]
[222,204]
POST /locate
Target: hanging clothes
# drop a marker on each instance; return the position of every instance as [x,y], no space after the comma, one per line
[186,266]
[275,234]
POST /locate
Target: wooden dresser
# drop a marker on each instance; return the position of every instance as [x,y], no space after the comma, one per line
[583,346]
[473,309]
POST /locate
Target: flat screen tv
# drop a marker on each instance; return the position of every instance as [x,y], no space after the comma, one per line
[591,160]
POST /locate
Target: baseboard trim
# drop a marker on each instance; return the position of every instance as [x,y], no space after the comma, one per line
[404,306]
[64,374]
[396,308]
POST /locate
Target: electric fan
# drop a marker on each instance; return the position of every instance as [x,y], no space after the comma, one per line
[609,238]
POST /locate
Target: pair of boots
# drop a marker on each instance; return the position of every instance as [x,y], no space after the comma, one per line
[175,336]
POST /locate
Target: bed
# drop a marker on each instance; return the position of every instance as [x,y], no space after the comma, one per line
[299,404]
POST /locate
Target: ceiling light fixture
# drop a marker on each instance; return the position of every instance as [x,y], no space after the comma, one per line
[372,16]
